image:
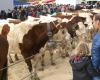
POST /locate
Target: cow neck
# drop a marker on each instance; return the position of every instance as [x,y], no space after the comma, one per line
[49,31]
[71,24]
[74,25]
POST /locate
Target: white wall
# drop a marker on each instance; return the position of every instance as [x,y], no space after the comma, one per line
[78,1]
[6,4]
[72,2]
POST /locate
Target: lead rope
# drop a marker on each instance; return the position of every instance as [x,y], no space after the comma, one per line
[59,24]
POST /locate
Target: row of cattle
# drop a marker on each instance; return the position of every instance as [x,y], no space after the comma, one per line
[29,36]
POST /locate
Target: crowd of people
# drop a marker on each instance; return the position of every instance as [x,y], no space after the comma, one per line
[35,11]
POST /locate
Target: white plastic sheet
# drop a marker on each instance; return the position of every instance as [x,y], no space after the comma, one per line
[72,2]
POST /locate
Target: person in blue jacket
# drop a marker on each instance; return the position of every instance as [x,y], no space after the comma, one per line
[95,52]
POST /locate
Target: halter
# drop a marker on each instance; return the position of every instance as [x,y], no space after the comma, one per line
[50,34]
[51,42]
[59,24]
[73,26]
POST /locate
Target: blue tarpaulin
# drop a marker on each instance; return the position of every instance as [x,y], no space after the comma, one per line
[15,2]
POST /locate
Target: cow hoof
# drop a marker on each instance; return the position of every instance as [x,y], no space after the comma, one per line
[67,55]
[53,64]
[16,58]
[11,61]
[73,48]
[41,69]
[63,57]
[34,77]
[43,65]
[31,78]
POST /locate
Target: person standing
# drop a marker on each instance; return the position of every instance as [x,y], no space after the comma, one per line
[81,63]
[95,52]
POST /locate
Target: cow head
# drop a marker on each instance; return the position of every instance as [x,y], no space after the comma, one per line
[77,19]
[53,27]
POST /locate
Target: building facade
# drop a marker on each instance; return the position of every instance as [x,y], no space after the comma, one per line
[6,4]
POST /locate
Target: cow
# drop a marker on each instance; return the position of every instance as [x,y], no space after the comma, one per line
[36,38]
[75,20]
[72,26]
[4,46]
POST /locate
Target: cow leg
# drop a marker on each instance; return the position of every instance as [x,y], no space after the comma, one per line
[66,53]
[66,49]
[73,43]
[16,57]
[51,58]
[10,59]
[61,48]
[35,76]
[60,51]
[88,36]
[91,32]
[27,60]
[42,62]
[29,64]
[63,53]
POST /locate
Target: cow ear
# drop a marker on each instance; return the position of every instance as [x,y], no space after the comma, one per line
[5,29]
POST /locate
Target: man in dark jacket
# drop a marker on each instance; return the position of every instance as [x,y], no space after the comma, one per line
[96,46]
